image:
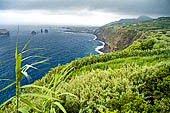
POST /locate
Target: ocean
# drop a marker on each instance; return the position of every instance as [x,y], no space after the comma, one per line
[60,46]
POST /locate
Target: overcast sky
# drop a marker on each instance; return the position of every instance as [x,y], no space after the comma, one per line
[78,12]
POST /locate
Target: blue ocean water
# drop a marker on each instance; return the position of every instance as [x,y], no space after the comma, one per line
[61,47]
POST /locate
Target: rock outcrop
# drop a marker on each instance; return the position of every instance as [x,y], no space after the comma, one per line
[33,33]
[46,31]
[4,32]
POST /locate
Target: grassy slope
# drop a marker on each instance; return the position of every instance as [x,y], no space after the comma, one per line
[120,36]
[134,79]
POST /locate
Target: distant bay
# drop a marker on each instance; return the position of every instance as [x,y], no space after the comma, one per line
[60,46]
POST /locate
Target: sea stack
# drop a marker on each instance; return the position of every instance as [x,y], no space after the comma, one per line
[41,30]
[4,32]
[46,31]
[33,33]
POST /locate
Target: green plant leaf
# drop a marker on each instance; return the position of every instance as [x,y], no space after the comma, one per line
[32,50]
[58,77]
[32,57]
[40,62]
[35,86]
[5,80]
[20,75]
[67,94]
[53,110]
[25,46]
[29,104]
[60,106]
[8,86]
[16,49]
[66,75]
[41,96]
[27,66]
[26,75]
[22,110]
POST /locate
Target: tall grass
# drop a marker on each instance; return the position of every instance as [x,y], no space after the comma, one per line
[49,97]
[20,72]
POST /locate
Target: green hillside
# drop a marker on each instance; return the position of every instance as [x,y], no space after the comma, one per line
[120,36]
[126,21]
[134,79]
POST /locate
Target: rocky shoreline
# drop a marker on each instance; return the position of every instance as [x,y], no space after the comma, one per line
[106,48]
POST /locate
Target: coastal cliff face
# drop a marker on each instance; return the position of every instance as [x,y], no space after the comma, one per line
[115,37]
[119,36]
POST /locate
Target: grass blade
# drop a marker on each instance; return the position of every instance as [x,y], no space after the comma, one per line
[40,62]
[26,75]
[16,49]
[25,46]
[32,57]
[32,50]
[35,86]
[41,96]
[64,77]
[67,94]
[60,106]
[58,76]
[27,66]
[5,80]
[29,104]
[22,110]
[7,86]
[53,110]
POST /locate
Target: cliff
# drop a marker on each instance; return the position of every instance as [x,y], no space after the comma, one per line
[119,36]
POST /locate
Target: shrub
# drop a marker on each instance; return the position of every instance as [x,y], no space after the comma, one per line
[148,44]
[163,32]
[158,84]
[100,90]
[135,46]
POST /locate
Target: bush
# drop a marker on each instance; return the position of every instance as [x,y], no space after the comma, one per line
[100,90]
[158,84]
[163,32]
[135,46]
[160,44]
[148,44]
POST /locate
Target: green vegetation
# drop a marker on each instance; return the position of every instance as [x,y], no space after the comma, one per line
[134,80]
[120,36]
[50,100]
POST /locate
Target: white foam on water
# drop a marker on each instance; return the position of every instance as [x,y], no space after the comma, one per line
[99,47]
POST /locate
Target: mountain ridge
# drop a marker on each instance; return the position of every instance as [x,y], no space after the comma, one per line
[126,21]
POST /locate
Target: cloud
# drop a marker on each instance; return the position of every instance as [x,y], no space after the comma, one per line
[132,7]
[78,12]
[83,17]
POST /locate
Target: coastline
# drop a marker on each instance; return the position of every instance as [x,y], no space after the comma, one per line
[99,48]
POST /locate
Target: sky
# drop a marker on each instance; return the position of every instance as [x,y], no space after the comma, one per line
[78,12]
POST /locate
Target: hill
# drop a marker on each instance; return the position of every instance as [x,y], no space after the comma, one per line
[134,79]
[126,21]
[120,36]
